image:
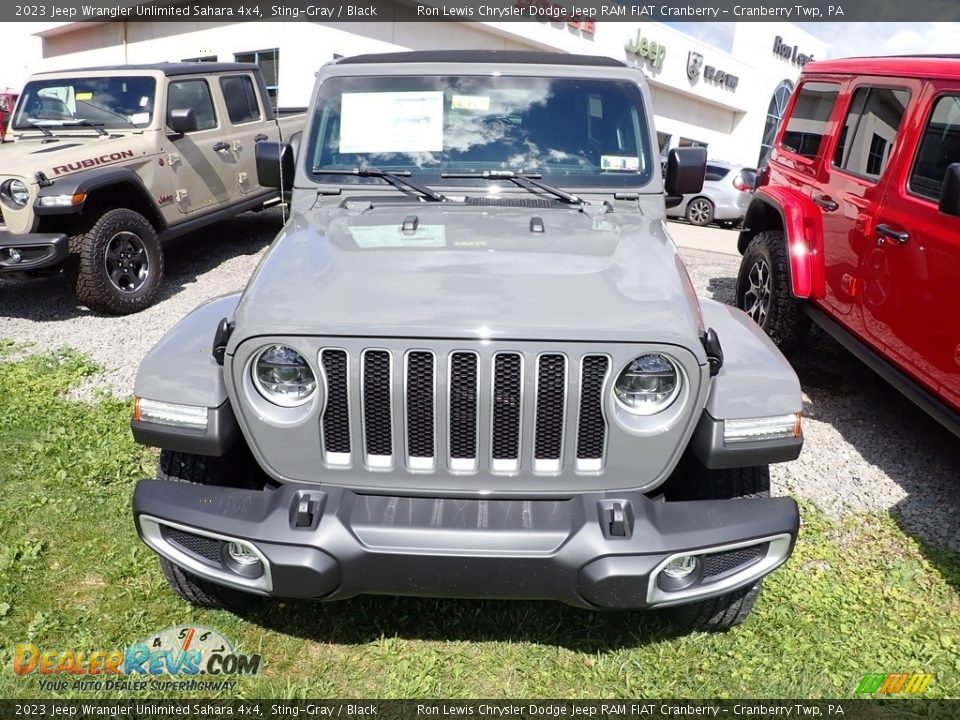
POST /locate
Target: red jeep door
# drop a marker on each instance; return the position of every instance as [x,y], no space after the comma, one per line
[911,275]
[853,182]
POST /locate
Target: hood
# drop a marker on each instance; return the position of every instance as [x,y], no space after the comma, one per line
[64,155]
[472,272]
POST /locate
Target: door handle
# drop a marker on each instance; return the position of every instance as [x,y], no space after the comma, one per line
[221,146]
[260,138]
[899,236]
[826,202]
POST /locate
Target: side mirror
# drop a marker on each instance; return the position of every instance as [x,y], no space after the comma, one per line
[686,168]
[275,165]
[182,120]
[950,191]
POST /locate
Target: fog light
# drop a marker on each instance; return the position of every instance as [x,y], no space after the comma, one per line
[14,255]
[242,554]
[680,573]
[680,567]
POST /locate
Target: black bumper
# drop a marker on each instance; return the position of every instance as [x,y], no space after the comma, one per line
[36,251]
[573,550]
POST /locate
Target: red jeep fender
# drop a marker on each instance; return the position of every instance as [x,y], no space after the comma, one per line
[786,209]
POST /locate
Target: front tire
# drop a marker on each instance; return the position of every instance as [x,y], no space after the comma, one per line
[120,263]
[700,212]
[763,291]
[200,470]
[733,608]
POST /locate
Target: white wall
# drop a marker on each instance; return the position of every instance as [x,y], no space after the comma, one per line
[730,121]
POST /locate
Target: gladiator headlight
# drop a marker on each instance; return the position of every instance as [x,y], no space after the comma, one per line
[15,192]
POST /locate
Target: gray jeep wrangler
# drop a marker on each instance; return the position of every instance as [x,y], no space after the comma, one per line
[472,364]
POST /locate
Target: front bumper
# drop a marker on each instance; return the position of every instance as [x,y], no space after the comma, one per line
[34,250]
[589,550]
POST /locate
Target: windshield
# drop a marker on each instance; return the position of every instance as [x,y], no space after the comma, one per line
[573,132]
[107,102]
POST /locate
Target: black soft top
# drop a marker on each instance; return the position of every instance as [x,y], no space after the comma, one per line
[168,69]
[515,57]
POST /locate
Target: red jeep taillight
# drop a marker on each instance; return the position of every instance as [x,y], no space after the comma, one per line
[742,185]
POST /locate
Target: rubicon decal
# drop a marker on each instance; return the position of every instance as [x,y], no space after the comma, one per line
[93,162]
[181,651]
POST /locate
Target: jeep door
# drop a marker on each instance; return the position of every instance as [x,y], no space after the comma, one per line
[246,113]
[853,182]
[912,271]
[203,167]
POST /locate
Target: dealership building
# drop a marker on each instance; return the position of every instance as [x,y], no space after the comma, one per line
[728,100]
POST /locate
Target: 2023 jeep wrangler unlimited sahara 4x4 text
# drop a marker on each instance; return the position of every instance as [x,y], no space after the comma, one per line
[108,163]
[450,376]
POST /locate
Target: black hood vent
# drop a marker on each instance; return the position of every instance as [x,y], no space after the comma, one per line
[520,202]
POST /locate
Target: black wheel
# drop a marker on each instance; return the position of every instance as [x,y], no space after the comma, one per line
[120,264]
[184,467]
[700,483]
[700,211]
[763,290]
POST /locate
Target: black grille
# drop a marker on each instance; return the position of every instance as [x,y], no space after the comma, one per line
[336,416]
[204,547]
[551,386]
[376,402]
[723,562]
[506,406]
[592,429]
[420,404]
[463,406]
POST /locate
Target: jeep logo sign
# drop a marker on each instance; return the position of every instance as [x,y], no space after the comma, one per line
[643,48]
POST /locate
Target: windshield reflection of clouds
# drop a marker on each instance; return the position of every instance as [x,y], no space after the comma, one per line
[591,128]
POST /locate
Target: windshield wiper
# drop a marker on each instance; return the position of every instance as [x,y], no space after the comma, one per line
[41,128]
[81,122]
[397,179]
[44,126]
[525,180]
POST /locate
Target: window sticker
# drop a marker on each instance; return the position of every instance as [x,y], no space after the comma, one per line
[627,163]
[391,236]
[470,102]
[84,96]
[385,122]
[140,118]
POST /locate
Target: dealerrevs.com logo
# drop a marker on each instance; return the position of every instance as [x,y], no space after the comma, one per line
[185,657]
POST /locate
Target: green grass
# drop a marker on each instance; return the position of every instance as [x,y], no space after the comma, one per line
[858,596]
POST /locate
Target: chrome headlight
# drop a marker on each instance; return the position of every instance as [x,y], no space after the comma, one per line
[282,376]
[648,384]
[16,192]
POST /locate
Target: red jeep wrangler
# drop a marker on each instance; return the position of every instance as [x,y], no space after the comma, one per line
[856,222]
[8,101]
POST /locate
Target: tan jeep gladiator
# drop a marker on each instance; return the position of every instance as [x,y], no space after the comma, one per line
[105,164]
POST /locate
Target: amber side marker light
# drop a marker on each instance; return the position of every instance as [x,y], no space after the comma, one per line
[190,417]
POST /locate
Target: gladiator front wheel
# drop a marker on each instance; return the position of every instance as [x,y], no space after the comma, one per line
[120,263]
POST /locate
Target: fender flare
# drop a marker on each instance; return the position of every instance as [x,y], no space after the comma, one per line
[88,181]
[181,369]
[802,226]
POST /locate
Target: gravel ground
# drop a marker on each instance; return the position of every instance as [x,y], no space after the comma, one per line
[866,448]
